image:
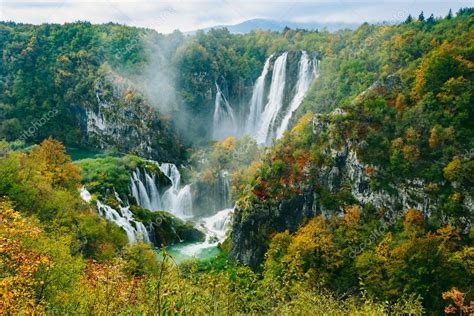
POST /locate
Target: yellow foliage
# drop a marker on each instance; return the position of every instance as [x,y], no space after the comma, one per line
[411,153]
[227,144]
[434,138]
[413,218]
[397,143]
[18,265]
[453,170]
[52,162]
[303,123]
[400,103]
[129,96]
[351,215]
[412,135]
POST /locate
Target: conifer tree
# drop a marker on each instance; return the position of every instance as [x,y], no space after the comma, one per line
[450,15]
[421,17]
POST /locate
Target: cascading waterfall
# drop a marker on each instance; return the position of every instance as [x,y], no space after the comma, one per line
[155,200]
[275,100]
[256,102]
[308,70]
[146,194]
[224,122]
[171,172]
[215,227]
[176,200]
[123,218]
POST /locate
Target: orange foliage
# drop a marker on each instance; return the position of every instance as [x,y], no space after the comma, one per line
[55,165]
[18,265]
[457,297]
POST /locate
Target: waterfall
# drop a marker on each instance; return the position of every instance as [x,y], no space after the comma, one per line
[308,70]
[215,227]
[256,102]
[172,173]
[123,218]
[155,201]
[224,123]
[225,189]
[176,200]
[146,194]
[85,195]
[275,100]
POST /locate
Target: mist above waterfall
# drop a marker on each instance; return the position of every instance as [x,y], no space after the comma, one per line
[224,120]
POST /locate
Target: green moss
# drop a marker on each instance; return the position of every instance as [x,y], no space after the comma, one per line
[167,229]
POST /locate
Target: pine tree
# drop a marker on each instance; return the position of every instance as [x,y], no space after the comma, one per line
[421,17]
[450,15]
[431,20]
[409,19]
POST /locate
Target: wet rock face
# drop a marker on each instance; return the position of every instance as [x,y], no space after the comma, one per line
[250,232]
[127,126]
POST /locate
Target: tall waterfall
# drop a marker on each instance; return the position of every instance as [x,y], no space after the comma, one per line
[308,70]
[123,218]
[275,100]
[224,122]
[256,102]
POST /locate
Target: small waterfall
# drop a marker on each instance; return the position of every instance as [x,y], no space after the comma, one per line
[256,102]
[155,201]
[275,100]
[123,218]
[215,227]
[225,189]
[176,200]
[308,70]
[85,195]
[172,173]
[146,194]
[217,224]
[224,123]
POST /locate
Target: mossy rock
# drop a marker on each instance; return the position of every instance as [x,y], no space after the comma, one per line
[166,228]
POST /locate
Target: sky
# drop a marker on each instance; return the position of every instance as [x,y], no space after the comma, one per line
[188,15]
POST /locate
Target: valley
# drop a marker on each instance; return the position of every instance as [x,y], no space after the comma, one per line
[290,172]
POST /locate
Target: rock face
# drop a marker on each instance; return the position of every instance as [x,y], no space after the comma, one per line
[127,125]
[251,230]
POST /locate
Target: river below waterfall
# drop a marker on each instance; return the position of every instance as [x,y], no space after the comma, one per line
[215,228]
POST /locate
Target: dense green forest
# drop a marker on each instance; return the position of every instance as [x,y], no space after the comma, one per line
[365,206]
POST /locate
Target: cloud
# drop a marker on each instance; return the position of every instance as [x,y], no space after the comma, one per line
[168,15]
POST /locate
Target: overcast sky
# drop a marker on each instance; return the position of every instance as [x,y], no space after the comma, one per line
[186,15]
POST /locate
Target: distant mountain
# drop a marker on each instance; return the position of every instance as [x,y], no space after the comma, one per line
[263,24]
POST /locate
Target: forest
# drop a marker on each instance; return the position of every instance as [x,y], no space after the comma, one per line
[121,192]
